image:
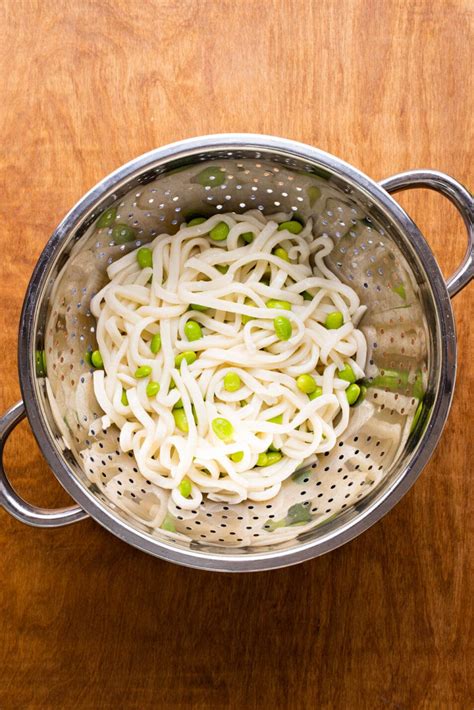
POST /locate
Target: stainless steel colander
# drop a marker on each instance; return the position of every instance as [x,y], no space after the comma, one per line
[409,328]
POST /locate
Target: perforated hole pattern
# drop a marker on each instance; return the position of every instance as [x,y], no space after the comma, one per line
[365,256]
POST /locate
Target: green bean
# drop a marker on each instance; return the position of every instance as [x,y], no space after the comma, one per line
[152,388]
[232,382]
[317,392]
[179,404]
[307,296]
[185,487]
[211,177]
[122,233]
[306,383]
[291,226]
[195,221]
[124,398]
[219,232]
[197,307]
[281,253]
[247,237]
[96,360]
[223,268]
[192,330]
[347,374]
[352,393]
[88,358]
[283,327]
[237,457]
[277,420]
[181,420]
[144,257]
[273,449]
[188,355]
[142,371]
[334,320]
[107,218]
[222,428]
[155,343]
[275,303]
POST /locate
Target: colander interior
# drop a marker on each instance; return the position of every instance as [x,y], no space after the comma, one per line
[370,254]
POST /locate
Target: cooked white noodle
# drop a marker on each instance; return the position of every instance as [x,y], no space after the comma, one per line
[138,303]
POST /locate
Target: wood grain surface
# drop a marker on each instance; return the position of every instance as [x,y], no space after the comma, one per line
[88,622]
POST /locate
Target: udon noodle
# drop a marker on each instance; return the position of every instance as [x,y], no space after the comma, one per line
[239,437]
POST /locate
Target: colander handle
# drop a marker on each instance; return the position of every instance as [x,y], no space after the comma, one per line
[461,199]
[11,501]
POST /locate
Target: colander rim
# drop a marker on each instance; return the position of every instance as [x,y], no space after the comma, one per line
[335,536]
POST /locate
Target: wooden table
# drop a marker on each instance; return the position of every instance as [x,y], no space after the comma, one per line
[88,622]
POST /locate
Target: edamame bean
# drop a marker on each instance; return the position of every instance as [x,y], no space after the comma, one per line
[273,449]
[168,524]
[222,428]
[232,382]
[211,177]
[197,307]
[317,392]
[237,457]
[152,388]
[268,458]
[352,393]
[180,420]
[122,233]
[188,355]
[400,291]
[291,226]
[347,374]
[96,360]
[248,302]
[185,487]
[247,237]
[417,416]
[363,392]
[124,398]
[142,371]
[219,232]
[277,420]
[195,221]
[334,320]
[155,343]
[40,358]
[192,330]
[314,193]
[275,303]
[306,383]
[283,327]
[281,253]
[106,218]
[144,257]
